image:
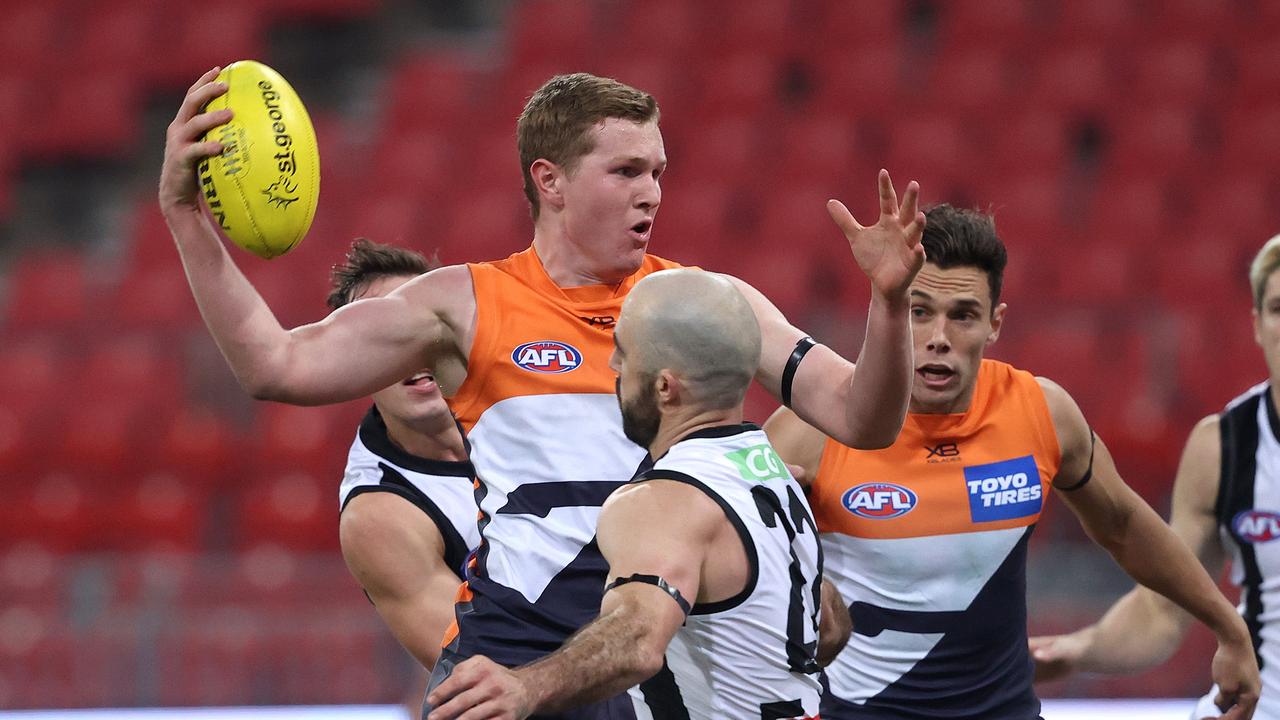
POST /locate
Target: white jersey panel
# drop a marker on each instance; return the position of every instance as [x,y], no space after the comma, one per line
[733,657]
[921,574]
[526,440]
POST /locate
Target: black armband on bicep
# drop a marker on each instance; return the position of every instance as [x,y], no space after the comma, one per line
[803,346]
[1088,472]
[657,582]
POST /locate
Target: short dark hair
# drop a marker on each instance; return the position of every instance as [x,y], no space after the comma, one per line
[956,237]
[366,262]
[558,117]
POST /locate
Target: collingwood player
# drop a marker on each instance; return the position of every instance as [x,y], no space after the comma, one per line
[713,595]
[407,497]
[1226,503]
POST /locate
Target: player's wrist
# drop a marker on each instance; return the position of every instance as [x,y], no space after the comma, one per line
[897,300]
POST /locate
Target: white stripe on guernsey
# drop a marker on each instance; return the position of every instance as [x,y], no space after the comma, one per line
[868,665]
[545,438]
[1266,497]
[939,572]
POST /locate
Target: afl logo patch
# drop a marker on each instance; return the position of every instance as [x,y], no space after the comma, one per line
[547,356]
[1256,526]
[879,501]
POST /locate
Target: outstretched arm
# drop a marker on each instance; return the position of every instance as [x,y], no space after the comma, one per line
[1143,628]
[863,408]
[1122,523]
[356,351]
[657,528]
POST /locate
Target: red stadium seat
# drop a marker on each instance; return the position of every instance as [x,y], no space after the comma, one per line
[294,510]
[819,150]
[987,23]
[1156,140]
[1257,71]
[855,23]
[430,90]
[196,38]
[974,82]
[48,291]
[743,82]
[1173,72]
[1097,20]
[541,29]
[664,29]
[1251,138]
[159,513]
[30,32]
[859,80]
[1074,77]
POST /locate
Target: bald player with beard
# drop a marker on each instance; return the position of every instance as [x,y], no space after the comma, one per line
[712,598]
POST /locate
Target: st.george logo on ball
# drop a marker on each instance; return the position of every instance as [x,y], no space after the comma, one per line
[262,189]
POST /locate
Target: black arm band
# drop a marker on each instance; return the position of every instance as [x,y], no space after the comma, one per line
[804,345]
[657,582]
[1088,473]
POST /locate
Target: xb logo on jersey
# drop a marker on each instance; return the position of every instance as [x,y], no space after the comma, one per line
[759,463]
[547,356]
[879,501]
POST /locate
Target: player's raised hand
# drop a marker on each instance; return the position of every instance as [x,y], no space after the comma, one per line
[1235,673]
[183,149]
[479,688]
[889,251]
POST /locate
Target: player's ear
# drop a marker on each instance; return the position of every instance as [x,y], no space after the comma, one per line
[997,321]
[547,180]
[667,386]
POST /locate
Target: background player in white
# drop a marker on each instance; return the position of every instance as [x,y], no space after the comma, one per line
[407,498]
[592,158]
[701,585]
[1226,500]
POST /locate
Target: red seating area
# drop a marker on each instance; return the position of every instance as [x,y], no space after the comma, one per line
[1128,151]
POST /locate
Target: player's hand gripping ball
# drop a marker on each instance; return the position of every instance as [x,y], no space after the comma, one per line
[262,189]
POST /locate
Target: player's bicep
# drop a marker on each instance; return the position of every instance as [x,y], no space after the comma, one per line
[821,373]
[660,528]
[1195,492]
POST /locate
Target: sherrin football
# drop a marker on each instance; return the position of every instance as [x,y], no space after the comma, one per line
[262,189]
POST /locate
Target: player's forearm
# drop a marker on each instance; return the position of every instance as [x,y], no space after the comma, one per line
[880,389]
[1139,632]
[240,322]
[835,626]
[613,653]
[1152,555]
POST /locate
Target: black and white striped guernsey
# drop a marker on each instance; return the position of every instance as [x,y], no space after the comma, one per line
[752,656]
[1248,514]
[443,490]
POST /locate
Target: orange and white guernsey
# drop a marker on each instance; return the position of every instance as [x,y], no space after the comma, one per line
[926,540]
[540,410]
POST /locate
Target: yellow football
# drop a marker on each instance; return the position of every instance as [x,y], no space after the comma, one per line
[262,189]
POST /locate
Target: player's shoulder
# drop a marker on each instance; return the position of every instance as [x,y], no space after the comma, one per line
[654,263]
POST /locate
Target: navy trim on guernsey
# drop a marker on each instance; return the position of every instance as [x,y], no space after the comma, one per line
[749,545]
[1238,431]
[656,581]
[662,695]
[999,678]
[803,346]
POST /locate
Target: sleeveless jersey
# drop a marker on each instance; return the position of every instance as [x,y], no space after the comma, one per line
[444,490]
[540,410]
[1248,513]
[750,657]
[926,540]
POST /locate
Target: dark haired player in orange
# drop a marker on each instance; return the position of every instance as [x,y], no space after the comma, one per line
[927,539]
[520,348]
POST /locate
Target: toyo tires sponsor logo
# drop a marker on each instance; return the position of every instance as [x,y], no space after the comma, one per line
[879,501]
[547,356]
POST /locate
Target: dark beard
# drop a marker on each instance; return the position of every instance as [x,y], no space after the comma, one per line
[640,417]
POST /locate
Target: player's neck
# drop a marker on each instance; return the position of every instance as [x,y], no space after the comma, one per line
[434,439]
[675,427]
[563,264]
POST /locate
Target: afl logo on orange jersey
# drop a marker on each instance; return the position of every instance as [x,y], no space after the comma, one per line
[547,356]
[879,501]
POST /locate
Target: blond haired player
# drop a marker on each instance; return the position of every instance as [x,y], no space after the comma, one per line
[521,346]
[407,499]
[1226,503]
[927,538]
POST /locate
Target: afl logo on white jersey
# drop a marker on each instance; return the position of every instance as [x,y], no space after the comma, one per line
[879,501]
[547,356]
[1256,526]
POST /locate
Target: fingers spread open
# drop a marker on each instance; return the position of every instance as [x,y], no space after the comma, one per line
[888,198]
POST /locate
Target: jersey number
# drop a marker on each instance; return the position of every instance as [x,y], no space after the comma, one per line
[801,622]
